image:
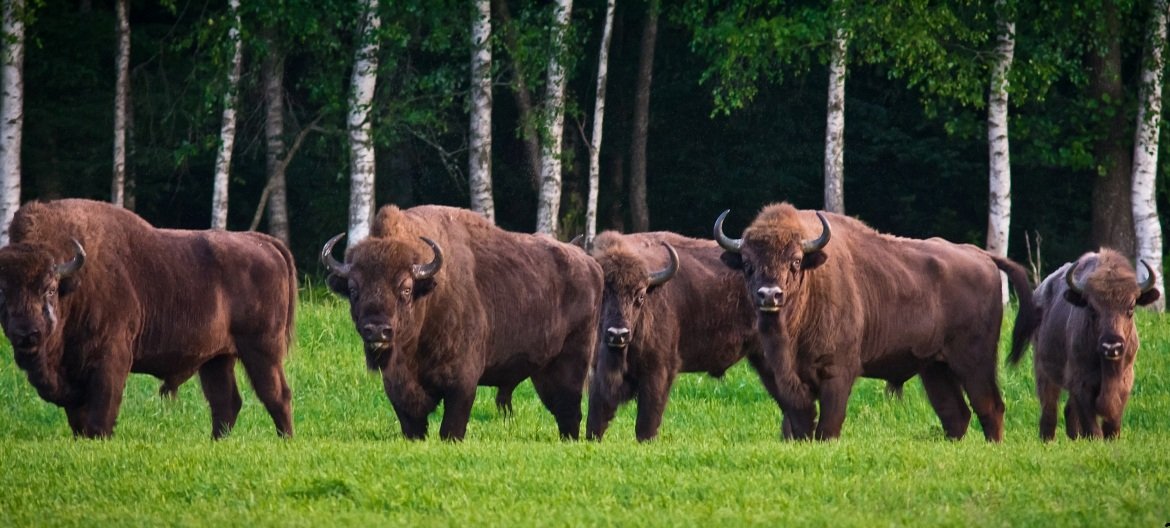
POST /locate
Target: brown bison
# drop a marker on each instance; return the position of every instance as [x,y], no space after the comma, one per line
[90,292]
[445,301]
[669,306]
[835,303]
[1086,342]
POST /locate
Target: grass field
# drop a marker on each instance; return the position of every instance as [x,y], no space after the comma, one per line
[717,460]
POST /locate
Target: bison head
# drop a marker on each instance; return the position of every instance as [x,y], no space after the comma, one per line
[773,254]
[628,280]
[32,281]
[383,278]
[1109,292]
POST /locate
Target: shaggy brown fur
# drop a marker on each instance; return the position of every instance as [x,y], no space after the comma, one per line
[698,321]
[163,302]
[503,307]
[878,306]
[1071,340]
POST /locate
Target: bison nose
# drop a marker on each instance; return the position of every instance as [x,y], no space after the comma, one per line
[1112,348]
[377,332]
[769,298]
[617,337]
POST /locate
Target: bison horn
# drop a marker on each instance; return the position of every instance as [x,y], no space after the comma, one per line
[1074,284]
[663,275]
[813,246]
[1148,284]
[582,242]
[331,264]
[69,268]
[733,245]
[428,270]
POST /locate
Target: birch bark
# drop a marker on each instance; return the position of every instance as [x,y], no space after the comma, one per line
[479,173]
[598,120]
[549,203]
[999,202]
[11,114]
[361,145]
[1145,151]
[227,131]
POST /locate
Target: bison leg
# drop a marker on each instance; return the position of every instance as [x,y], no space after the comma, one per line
[601,413]
[504,399]
[77,416]
[1072,420]
[104,392]
[559,386]
[653,392]
[1049,394]
[217,377]
[262,362]
[456,412]
[834,400]
[1086,410]
[946,396]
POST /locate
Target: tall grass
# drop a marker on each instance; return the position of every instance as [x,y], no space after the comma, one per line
[717,460]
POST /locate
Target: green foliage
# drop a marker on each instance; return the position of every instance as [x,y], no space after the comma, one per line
[718,459]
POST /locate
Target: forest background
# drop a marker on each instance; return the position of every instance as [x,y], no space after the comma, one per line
[735,113]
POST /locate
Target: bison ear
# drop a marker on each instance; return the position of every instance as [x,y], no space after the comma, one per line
[1148,297]
[423,287]
[338,285]
[68,284]
[1075,299]
[813,260]
[732,260]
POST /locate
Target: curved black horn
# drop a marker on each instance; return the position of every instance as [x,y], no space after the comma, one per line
[331,264]
[66,269]
[813,246]
[1148,284]
[663,275]
[1070,279]
[733,245]
[428,270]
[581,241]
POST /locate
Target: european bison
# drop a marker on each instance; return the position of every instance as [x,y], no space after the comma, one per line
[1086,342]
[835,303]
[669,306]
[91,292]
[445,301]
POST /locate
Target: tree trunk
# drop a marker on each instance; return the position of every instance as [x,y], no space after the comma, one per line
[361,145]
[549,204]
[598,119]
[121,98]
[1112,211]
[227,132]
[835,125]
[479,172]
[999,207]
[528,132]
[11,114]
[274,133]
[130,190]
[639,215]
[1145,151]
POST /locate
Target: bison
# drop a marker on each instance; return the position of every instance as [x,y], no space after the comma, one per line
[90,292]
[1085,342]
[835,301]
[445,301]
[669,306]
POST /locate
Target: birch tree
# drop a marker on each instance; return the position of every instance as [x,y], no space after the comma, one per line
[1145,149]
[479,173]
[598,119]
[273,73]
[11,114]
[361,144]
[639,211]
[549,202]
[121,99]
[999,209]
[835,121]
[227,131]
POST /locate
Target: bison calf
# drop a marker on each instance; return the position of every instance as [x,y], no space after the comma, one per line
[90,292]
[1086,342]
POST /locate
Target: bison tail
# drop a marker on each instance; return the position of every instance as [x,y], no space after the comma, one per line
[1028,316]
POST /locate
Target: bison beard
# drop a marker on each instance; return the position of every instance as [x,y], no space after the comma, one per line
[836,300]
[84,310]
[445,301]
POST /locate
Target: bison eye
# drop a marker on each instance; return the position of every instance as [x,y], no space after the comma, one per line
[640,299]
[404,293]
[1129,312]
[50,292]
[796,265]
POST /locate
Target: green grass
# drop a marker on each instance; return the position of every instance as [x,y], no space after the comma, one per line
[717,460]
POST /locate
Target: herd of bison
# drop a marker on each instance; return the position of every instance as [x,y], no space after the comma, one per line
[444,302]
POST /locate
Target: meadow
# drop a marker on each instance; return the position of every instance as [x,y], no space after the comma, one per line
[718,458]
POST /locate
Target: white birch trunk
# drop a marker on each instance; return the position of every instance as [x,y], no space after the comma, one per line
[598,118]
[11,114]
[1145,151]
[227,131]
[835,126]
[361,145]
[549,204]
[274,133]
[999,201]
[479,171]
[121,98]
